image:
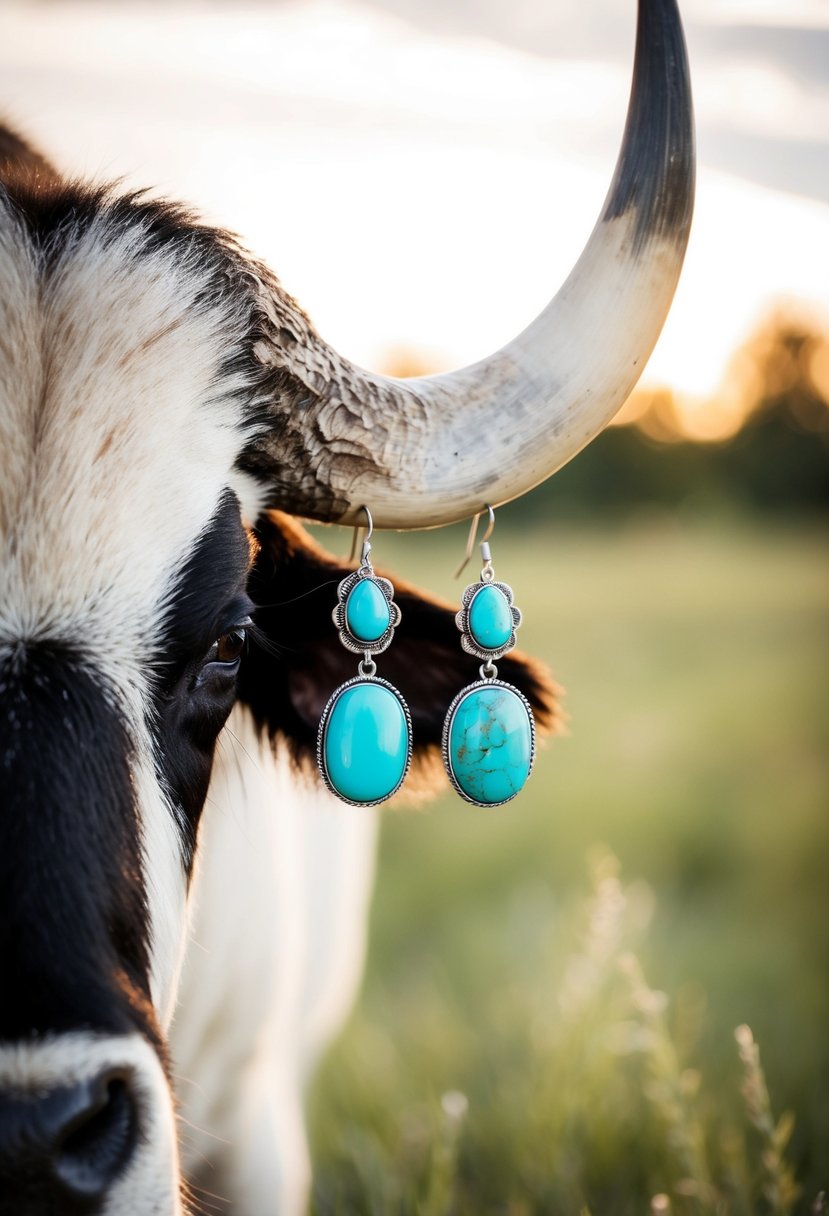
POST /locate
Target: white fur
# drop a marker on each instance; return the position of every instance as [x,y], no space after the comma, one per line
[281,897]
[118,437]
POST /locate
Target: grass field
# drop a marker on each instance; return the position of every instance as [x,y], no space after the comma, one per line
[548,1019]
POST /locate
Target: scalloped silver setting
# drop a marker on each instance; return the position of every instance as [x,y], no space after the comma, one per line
[339,614]
[462,620]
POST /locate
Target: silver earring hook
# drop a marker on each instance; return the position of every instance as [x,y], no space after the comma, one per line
[369,532]
[486,556]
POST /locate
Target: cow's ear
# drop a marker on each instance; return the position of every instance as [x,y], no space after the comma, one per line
[296,659]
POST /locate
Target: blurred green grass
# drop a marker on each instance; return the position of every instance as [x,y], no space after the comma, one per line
[695,666]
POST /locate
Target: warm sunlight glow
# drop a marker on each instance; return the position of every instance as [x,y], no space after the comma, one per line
[819,368]
[668,416]
[712,419]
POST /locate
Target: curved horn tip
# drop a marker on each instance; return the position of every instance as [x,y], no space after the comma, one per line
[565,387]
[655,173]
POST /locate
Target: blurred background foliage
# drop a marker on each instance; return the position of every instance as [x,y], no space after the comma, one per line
[556,1012]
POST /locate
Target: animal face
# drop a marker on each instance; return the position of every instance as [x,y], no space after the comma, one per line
[123,567]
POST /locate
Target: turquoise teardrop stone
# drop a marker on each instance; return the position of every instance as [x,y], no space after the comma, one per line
[366,743]
[490,619]
[491,744]
[367,612]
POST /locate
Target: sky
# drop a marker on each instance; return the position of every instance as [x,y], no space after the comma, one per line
[422,174]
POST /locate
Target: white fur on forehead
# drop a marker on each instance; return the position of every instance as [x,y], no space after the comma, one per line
[118,426]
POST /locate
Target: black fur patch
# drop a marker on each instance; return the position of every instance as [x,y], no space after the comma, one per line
[192,701]
[73,916]
[287,680]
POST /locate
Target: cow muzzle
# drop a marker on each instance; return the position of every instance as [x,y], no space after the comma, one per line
[73,1142]
[86,1128]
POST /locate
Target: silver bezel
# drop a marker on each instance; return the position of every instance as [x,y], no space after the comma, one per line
[326,713]
[338,615]
[462,620]
[447,730]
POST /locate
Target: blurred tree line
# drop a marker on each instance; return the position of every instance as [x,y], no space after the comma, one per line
[766,448]
[761,444]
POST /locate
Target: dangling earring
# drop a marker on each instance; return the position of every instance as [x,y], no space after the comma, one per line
[489,732]
[364,741]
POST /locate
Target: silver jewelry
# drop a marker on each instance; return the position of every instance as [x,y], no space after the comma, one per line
[364,740]
[488,740]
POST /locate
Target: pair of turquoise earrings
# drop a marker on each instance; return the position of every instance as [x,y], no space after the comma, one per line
[364,742]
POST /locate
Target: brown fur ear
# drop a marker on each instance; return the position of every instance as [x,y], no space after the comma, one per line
[293,669]
[20,163]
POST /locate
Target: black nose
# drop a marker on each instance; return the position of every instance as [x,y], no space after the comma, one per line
[62,1149]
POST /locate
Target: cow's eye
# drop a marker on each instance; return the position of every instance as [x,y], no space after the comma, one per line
[227,649]
[230,645]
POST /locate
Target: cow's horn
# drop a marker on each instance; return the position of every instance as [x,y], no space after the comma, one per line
[433,449]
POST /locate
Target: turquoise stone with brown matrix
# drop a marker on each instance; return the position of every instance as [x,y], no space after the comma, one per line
[490,744]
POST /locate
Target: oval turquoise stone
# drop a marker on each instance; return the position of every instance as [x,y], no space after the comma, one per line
[490,619]
[491,744]
[366,743]
[367,612]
